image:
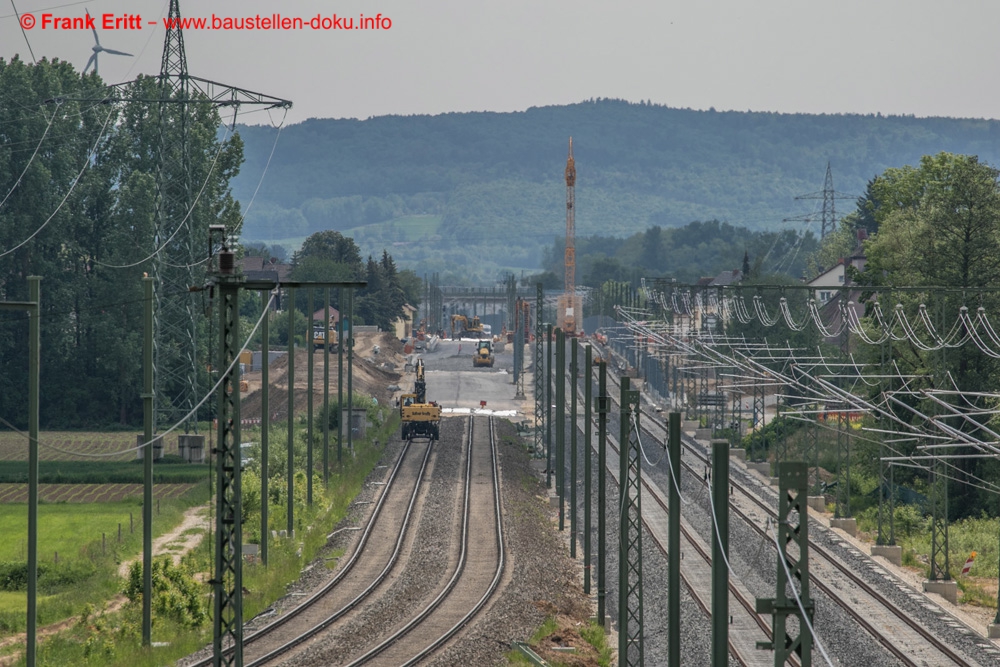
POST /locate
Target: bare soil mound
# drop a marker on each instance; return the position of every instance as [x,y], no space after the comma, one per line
[373,374]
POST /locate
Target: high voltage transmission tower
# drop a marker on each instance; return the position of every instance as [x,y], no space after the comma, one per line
[829,197]
[180,233]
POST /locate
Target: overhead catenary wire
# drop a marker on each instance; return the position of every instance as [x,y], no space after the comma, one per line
[21,26]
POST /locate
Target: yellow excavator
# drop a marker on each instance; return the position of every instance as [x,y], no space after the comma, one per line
[325,336]
[420,418]
[462,327]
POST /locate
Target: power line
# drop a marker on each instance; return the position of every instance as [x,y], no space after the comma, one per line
[21,26]
[87,162]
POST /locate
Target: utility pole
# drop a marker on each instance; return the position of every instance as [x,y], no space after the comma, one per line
[265,422]
[630,625]
[548,406]
[340,376]
[310,350]
[290,454]
[573,374]
[603,408]
[793,564]
[147,461]
[228,579]
[539,377]
[34,377]
[350,371]
[561,425]
[326,390]
[588,391]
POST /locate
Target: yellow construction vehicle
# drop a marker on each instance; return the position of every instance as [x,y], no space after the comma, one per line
[484,354]
[420,418]
[461,327]
[321,334]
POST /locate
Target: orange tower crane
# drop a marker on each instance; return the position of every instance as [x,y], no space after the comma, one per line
[569,309]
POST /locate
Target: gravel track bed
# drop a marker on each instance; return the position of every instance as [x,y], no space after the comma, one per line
[696,629]
[481,556]
[425,569]
[315,574]
[753,560]
[540,579]
[755,564]
[912,602]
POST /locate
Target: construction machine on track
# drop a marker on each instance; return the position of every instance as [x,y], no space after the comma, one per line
[421,418]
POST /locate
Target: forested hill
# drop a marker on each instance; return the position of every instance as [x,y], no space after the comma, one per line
[460,181]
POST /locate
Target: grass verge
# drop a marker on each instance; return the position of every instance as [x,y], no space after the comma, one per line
[113,639]
[87,567]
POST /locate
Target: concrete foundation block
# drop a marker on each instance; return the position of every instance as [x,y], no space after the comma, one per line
[848,525]
[763,467]
[554,501]
[817,503]
[993,630]
[892,553]
[192,448]
[157,447]
[690,425]
[946,589]
[703,434]
[773,481]
[738,453]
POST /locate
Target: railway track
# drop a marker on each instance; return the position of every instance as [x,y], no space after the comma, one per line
[697,576]
[923,646]
[381,556]
[369,566]
[478,571]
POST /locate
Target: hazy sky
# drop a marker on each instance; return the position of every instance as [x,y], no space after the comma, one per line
[921,57]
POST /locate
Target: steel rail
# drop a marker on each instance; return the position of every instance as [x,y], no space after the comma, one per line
[313,599]
[501,560]
[748,605]
[880,637]
[393,559]
[457,574]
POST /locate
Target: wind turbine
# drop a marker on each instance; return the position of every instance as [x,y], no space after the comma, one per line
[97,48]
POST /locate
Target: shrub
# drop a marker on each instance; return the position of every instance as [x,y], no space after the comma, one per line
[176,594]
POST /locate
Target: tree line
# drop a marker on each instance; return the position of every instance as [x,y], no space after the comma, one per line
[78,207]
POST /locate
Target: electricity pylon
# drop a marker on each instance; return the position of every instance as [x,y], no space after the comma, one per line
[829,197]
[181,234]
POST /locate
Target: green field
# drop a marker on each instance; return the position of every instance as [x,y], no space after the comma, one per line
[67,528]
[86,570]
[405,228]
[102,472]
